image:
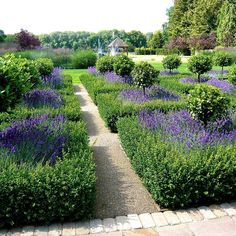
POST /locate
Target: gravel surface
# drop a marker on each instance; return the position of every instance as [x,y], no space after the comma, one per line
[119,189]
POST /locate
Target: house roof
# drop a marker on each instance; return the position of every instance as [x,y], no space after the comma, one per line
[118,43]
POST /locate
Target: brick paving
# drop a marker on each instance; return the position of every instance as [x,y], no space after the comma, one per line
[215,220]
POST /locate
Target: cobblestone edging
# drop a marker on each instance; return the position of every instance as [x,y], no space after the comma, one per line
[129,222]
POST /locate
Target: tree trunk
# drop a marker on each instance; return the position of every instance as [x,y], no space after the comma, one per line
[144,92]
[199,78]
[222,72]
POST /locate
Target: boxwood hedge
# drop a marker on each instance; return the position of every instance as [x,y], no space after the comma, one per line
[43,194]
[179,179]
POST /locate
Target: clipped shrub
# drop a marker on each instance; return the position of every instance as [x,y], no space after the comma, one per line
[199,65]
[144,75]
[222,59]
[171,62]
[123,65]
[44,66]
[232,74]
[105,64]
[17,76]
[207,103]
[84,59]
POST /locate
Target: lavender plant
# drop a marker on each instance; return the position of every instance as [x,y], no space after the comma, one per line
[137,96]
[225,86]
[54,80]
[40,139]
[179,127]
[43,98]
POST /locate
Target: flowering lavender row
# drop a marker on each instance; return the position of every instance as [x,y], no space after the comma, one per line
[45,97]
[137,96]
[179,127]
[224,85]
[190,80]
[217,73]
[221,84]
[39,139]
[54,80]
[111,76]
[167,72]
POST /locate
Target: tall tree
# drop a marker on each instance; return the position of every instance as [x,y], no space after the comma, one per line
[204,16]
[157,40]
[226,31]
[2,36]
[180,18]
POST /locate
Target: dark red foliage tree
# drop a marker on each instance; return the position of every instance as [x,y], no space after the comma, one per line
[179,43]
[27,40]
[203,42]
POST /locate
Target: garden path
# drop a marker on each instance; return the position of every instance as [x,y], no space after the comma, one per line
[119,189]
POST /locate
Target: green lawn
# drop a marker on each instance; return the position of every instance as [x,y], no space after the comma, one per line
[183,69]
[75,74]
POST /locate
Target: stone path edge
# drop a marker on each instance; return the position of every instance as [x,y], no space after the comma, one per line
[129,222]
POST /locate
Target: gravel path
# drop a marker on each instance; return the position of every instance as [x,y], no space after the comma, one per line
[119,189]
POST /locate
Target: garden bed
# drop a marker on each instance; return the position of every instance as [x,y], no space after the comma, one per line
[176,173]
[47,169]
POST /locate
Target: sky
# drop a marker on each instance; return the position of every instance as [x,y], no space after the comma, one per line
[45,16]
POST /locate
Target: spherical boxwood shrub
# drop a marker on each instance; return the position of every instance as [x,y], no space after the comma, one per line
[123,65]
[232,74]
[44,66]
[84,59]
[144,75]
[171,62]
[207,103]
[105,64]
[17,76]
[199,65]
[223,59]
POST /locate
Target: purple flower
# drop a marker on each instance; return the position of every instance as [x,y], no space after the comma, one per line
[137,96]
[38,139]
[92,70]
[217,73]
[55,80]
[168,73]
[179,127]
[190,80]
[112,77]
[40,98]
[222,84]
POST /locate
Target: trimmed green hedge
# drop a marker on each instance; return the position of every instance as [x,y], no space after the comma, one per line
[112,108]
[71,108]
[42,194]
[96,85]
[177,179]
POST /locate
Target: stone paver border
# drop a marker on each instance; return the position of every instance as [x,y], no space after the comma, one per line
[130,222]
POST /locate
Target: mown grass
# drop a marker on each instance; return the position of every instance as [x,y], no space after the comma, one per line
[75,74]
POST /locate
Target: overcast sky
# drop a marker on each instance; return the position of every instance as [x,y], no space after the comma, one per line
[44,16]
